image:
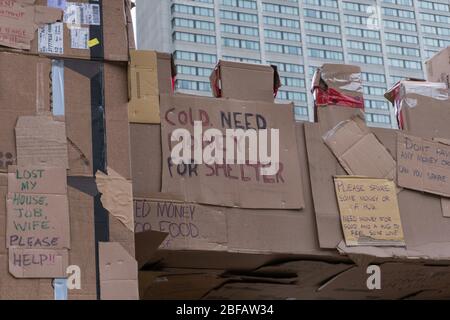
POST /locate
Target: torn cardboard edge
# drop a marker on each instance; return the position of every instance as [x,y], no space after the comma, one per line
[117,196]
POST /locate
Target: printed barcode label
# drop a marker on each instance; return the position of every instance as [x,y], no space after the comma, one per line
[79,38]
[82,14]
[51,38]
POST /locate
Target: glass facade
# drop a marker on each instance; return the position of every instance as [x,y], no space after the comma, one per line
[389,39]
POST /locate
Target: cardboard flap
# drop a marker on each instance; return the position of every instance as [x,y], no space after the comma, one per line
[118,273]
[359,151]
[244,81]
[147,243]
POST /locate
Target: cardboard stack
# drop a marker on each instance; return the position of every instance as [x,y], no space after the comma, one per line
[346,196]
[64,122]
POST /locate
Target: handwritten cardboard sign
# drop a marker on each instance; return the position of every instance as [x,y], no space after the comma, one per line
[423,165]
[230,184]
[38,263]
[37,221]
[369,211]
[187,225]
[34,179]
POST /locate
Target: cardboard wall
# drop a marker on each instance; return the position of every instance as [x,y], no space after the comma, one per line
[32,97]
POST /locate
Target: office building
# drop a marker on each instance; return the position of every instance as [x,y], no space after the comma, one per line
[389,39]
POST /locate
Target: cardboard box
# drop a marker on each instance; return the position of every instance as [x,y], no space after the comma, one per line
[339,85]
[223,251]
[244,81]
[78,29]
[438,67]
[90,100]
[411,97]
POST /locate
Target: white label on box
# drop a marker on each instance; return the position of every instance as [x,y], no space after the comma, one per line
[79,38]
[82,13]
[51,38]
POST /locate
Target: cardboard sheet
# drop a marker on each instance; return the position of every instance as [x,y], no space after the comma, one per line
[445,203]
[37,221]
[369,211]
[117,196]
[42,141]
[426,235]
[118,273]
[188,226]
[34,179]
[143,87]
[359,151]
[20,19]
[423,165]
[231,185]
[38,263]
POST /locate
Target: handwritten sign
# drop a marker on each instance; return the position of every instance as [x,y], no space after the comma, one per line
[37,226]
[34,179]
[423,165]
[187,225]
[37,221]
[38,263]
[229,183]
[369,211]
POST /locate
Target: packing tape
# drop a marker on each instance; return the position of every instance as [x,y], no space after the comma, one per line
[58,105]
[60,289]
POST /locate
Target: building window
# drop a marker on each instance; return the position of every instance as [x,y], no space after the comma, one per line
[246,4]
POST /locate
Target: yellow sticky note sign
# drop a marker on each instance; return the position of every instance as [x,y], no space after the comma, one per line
[369,211]
[93,42]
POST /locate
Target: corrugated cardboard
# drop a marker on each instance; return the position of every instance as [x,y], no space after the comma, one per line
[229,184]
[118,273]
[337,85]
[149,73]
[86,30]
[117,196]
[81,80]
[413,97]
[430,242]
[252,236]
[369,211]
[359,151]
[41,141]
[423,165]
[438,67]
[19,21]
[244,81]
